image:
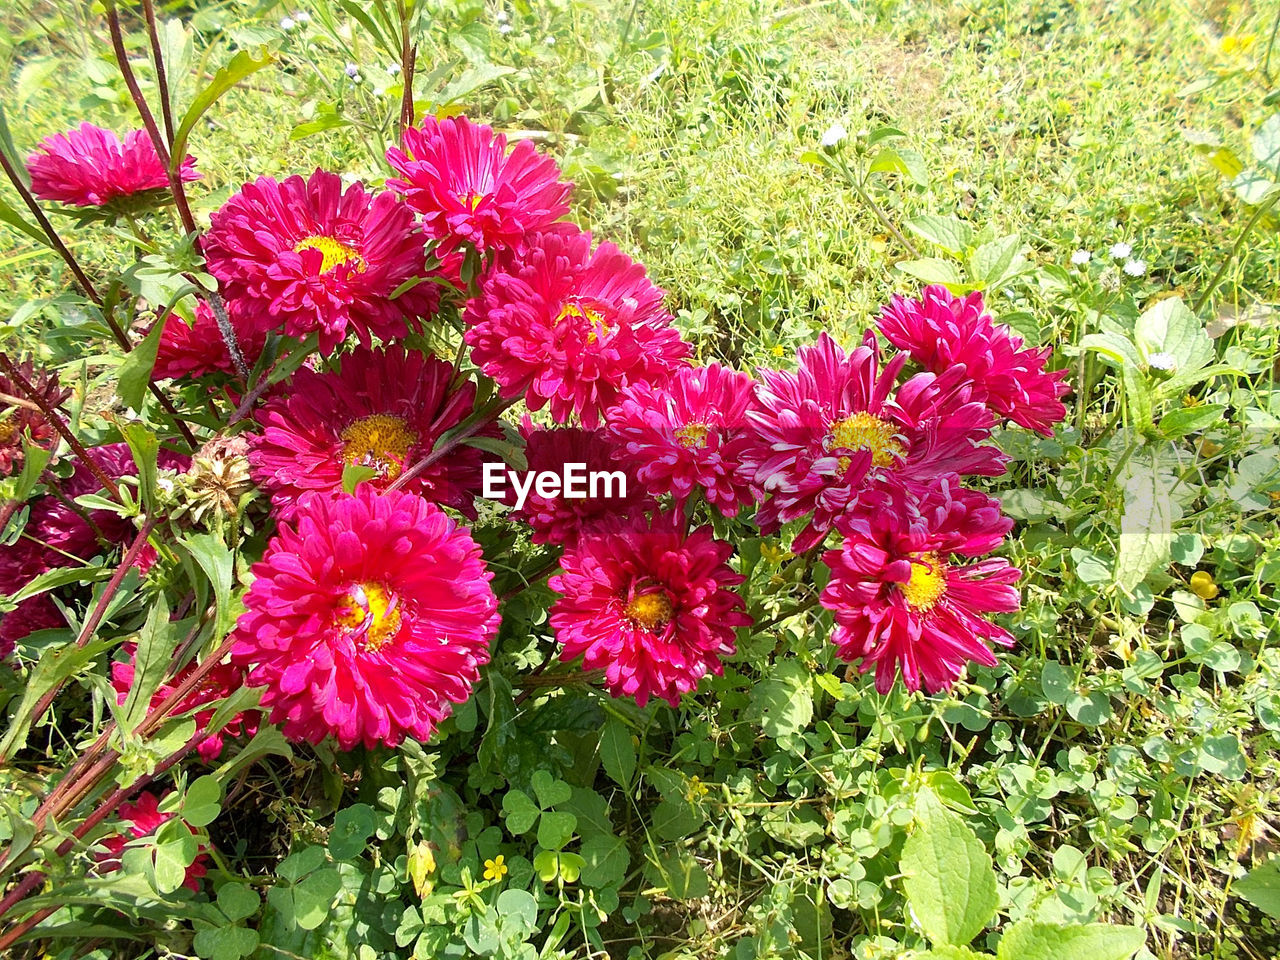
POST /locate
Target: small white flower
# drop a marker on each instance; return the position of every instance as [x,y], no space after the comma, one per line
[352,71]
[165,484]
[549,40]
[302,17]
[834,135]
[287,24]
[504,29]
[1135,268]
[393,68]
[1163,361]
[1080,258]
[501,16]
[1121,250]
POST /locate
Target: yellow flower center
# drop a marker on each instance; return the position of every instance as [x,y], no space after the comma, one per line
[381,441]
[333,252]
[928,582]
[650,611]
[371,613]
[595,318]
[865,431]
[693,436]
[8,428]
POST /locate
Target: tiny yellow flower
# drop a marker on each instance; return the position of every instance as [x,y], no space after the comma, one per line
[774,553]
[695,790]
[496,868]
[779,350]
[1202,585]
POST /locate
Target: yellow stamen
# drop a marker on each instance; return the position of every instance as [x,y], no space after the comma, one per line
[371,613]
[8,428]
[472,200]
[928,582]
[333,252]
[381,441]
[594,317]
[693,436]
[650,611]
[865,431]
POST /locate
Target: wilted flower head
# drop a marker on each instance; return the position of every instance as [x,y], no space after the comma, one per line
[90,167]
[370,618]
[21,417]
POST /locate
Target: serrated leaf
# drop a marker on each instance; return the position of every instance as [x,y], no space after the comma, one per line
[1170,327]
[1028,940]
[216,561]
[1261,887]
[783,703]
[948,880]
[950,233]
[1179,423]
[933,270]
[156,643]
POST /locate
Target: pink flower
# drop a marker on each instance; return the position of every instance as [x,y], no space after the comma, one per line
[89,167]
[841,425]
[142,819]
[369,619]
[941,331]
[385,410]
[198,350]
[19,422]
[29,616]
[688,433]
[571,327]
[218,684]
[650,606]
[469,189]
[306,256]
[901,598]
[562,520]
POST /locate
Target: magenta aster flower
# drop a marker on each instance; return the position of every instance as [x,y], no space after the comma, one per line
[903,601]
[32,614]
[569,326]
[305,255]
[90,167]
[142,819]
[469,189]
[197,349]
[218,684]
[941,331]
[384,410]
[563,520]
[688,433]
[841,425]
[650,606]
[18,421]
[369,619]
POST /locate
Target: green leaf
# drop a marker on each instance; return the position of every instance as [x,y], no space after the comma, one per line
[16,220]
[555,829]
[551,864]
[216,561]
[240,66]
[951,234]
[238,901]
[948,877]
[933,270]
[520,811]
[617,752]
[1261,887]
[783,704]
[1146,527]
[156,643]
[606,859]
[135,371]
[1170,327]
[511,453]
[1112,346]
[145,448]
[313,897]
[226,943]
[52,669]
[352,827]
[1265,144]
[173,855]
[472,79]
[906,163]
[354,474]
[1028,940]
[1179,423]
[518,907]
[549,790]
[202,801]
[997,261]
[951,953]
[327,118]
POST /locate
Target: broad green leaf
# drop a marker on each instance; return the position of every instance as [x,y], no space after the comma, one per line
[949,233]
[1146,526]
[1112,346]
[1171,328]
[1179,423]
[511,453]
[472,79]
[156,643]
[216,561]
[994,263]
[313,897]
[144,445]
[933,270]
[202,802]
[135,372]
[1261,887]
[1028,940]
[521,812]
[266,742]
[783,704]
[327,118]
[352,827]
[555,829]
[907,163]
[951,953]
[1265,143]
[354,474]
[226,942]
[948,878]
[549,790]
[240,66]
[518,908]
[617,752]
[606,859]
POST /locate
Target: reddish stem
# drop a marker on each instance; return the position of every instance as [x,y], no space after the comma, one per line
[149,11]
